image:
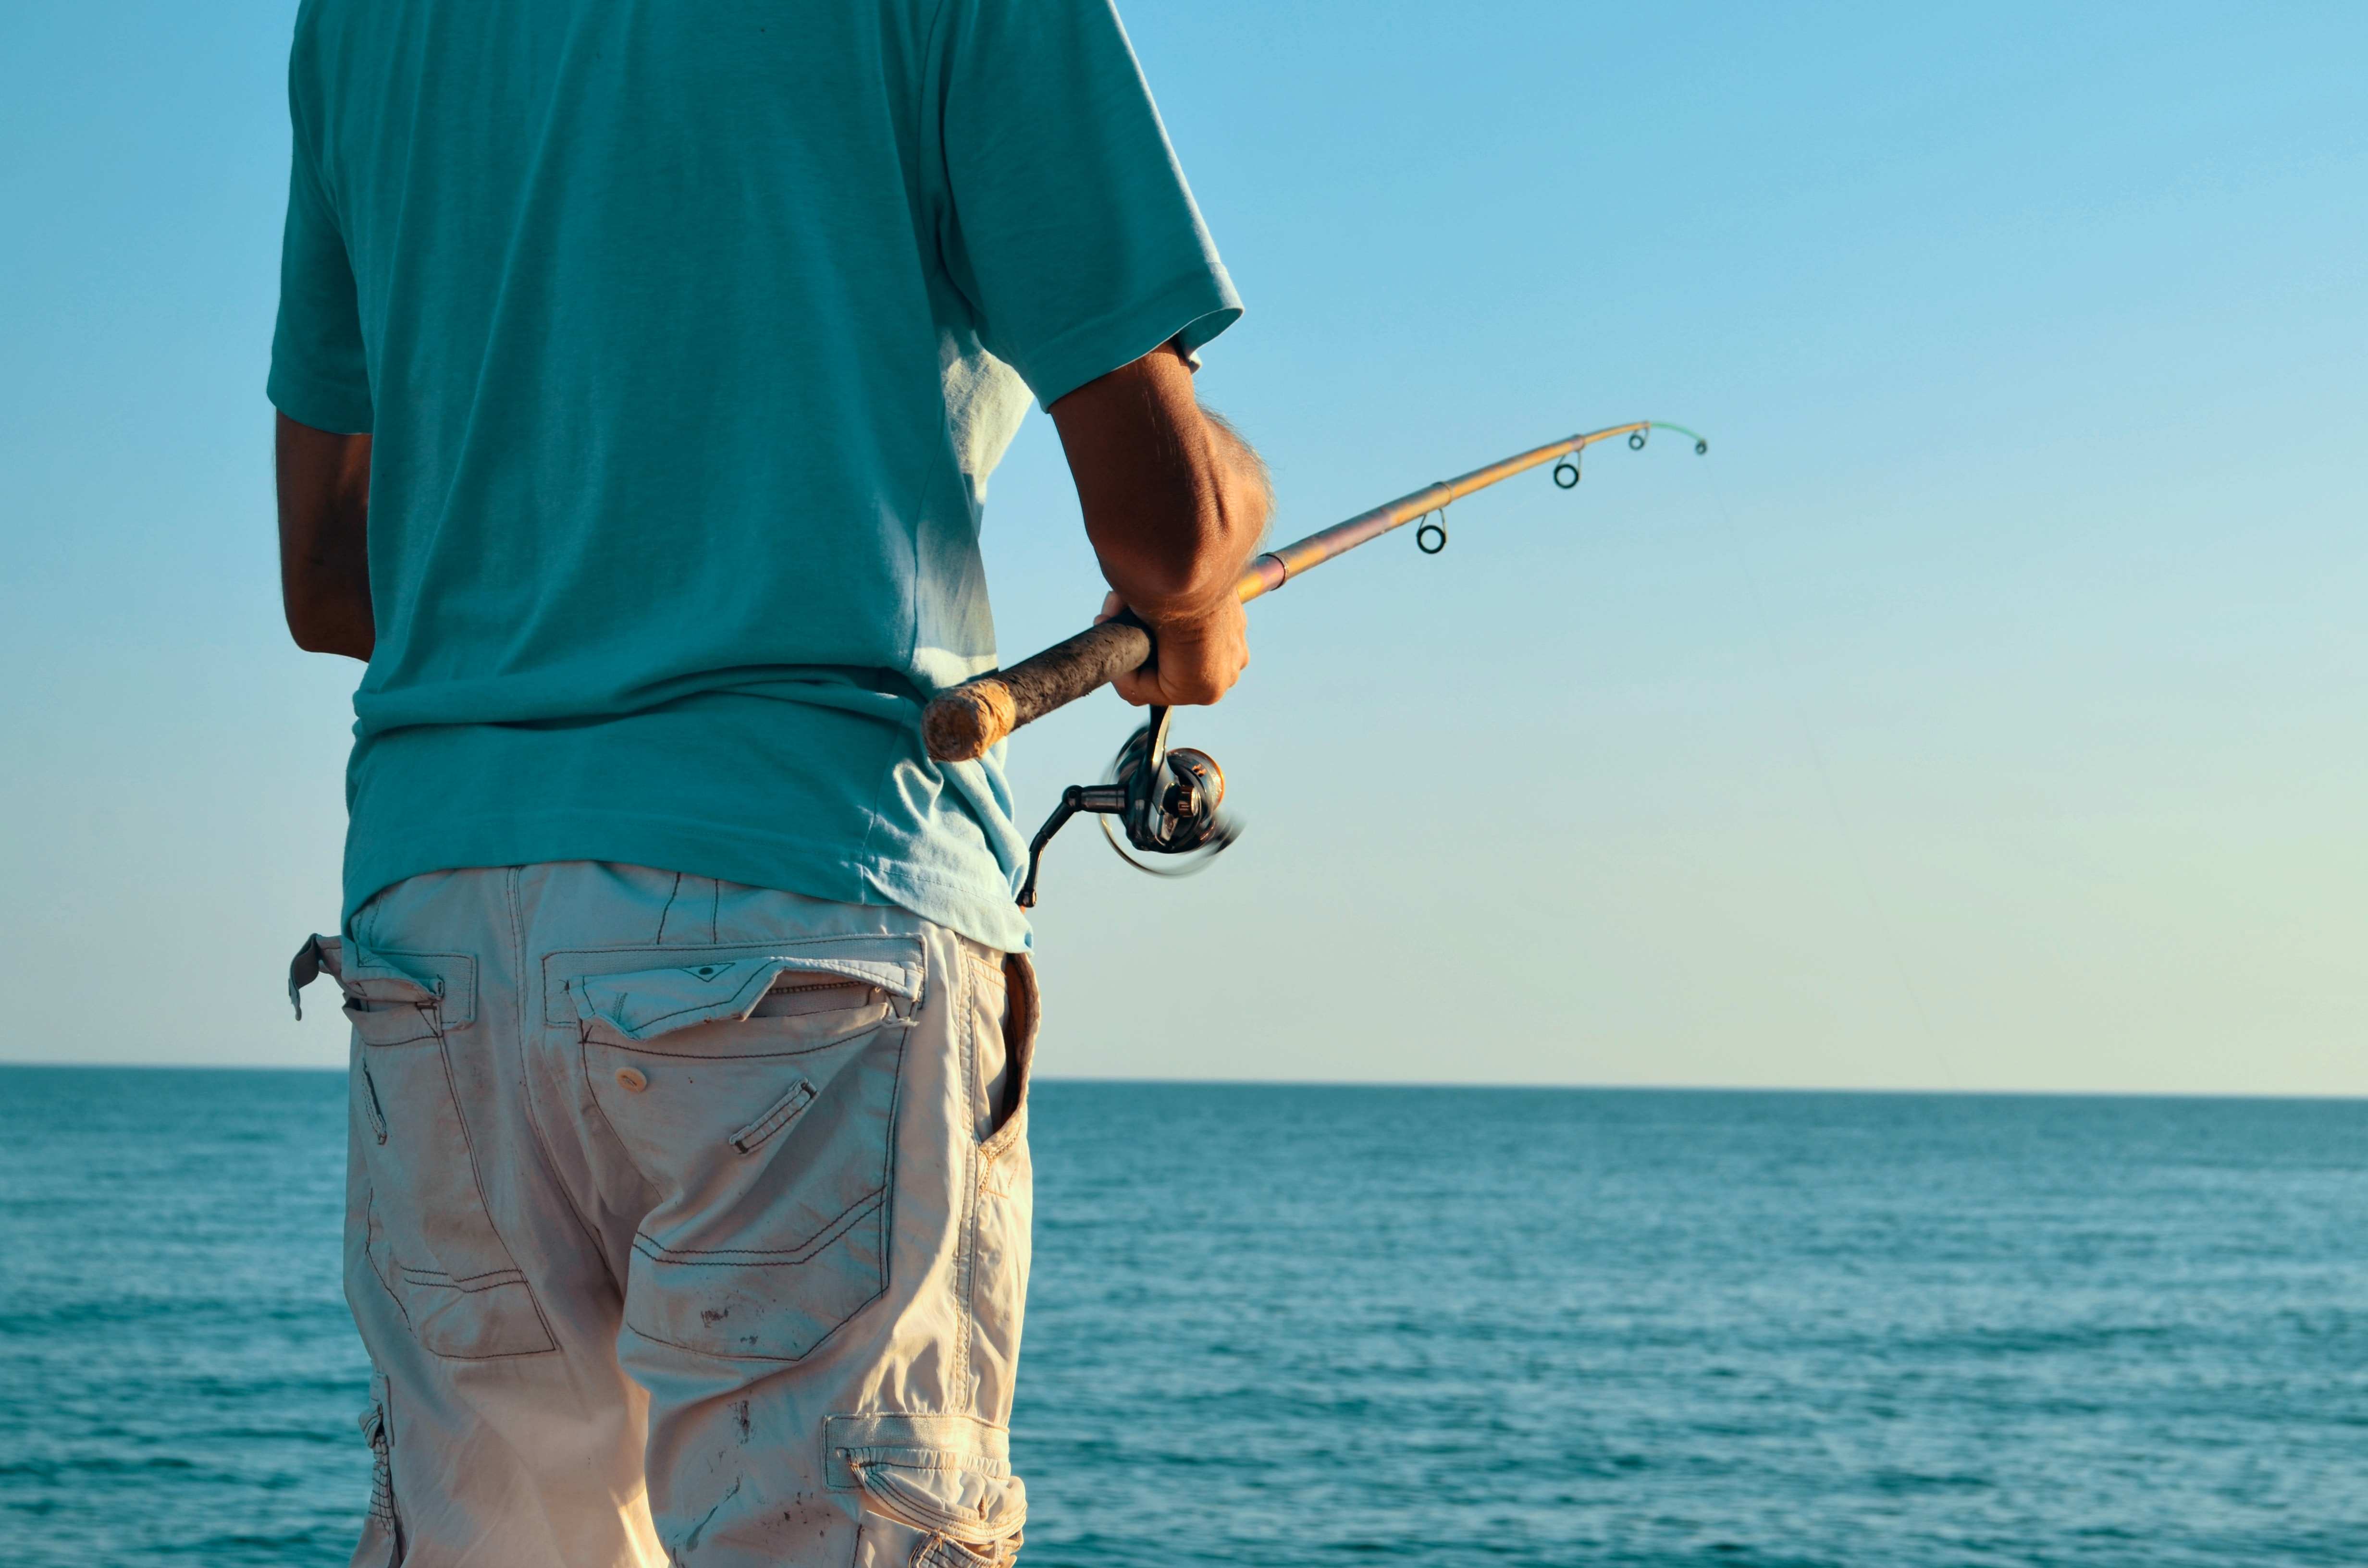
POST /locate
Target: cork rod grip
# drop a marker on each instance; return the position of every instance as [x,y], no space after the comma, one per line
[961,723]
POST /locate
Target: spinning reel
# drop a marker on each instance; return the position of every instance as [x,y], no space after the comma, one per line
[1165,803]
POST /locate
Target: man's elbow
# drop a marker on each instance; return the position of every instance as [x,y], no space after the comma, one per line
[1197,555]
[329,629]
[1214,532]
[1245,488]
[311,639]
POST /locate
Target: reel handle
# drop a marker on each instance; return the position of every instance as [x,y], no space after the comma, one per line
[962,722]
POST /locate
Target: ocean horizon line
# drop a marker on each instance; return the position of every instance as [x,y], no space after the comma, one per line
[1390,1084]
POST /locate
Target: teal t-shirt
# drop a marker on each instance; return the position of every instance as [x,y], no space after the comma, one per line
[687,336]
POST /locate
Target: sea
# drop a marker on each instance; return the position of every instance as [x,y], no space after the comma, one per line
[1287,1325]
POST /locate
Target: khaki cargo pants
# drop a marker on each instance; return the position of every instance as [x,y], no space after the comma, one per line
[687,1222]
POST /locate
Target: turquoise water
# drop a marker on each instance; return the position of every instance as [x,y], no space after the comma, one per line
[1282,1327]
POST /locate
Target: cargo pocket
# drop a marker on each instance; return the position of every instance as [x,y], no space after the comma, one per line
[431,1240]
[756,1095]
[937,1490]
[381,1542]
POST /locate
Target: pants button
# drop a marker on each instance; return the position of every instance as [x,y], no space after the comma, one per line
[632,1080]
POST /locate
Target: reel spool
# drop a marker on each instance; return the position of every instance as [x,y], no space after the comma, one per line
[1165,803]
[1182,824]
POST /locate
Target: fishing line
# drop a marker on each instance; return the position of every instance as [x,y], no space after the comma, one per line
[1853,854]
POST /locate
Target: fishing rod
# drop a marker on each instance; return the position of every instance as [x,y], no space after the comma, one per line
[1167,799]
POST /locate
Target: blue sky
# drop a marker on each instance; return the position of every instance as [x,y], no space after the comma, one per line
[1984,712]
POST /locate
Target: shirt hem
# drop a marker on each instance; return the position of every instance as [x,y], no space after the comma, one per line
[311,405]
[783,862]
[1195,308]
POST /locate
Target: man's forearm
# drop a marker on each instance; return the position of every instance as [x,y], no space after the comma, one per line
[1175,501]
[324,482]
[1187,566]
[1244,500]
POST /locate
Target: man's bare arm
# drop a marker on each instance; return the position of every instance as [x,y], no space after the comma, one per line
[324,538]
[1175,504]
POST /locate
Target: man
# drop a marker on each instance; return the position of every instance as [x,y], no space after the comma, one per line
[639,366]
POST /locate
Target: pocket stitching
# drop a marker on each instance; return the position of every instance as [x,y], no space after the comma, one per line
[889,1507]
[498,1277]
[377,1431]
[821,1340]
[949,1535]
[783,1111]
[586,1035]
[422,1013]
[492,1279]
[456,1002]
[877,1206]
[837,1225]
[369,1093]
[650,1030]
[585,1042]
[555,985]
[960,1437]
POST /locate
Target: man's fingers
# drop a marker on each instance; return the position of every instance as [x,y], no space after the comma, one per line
[1187,677]
[1197,660]
[1146,691]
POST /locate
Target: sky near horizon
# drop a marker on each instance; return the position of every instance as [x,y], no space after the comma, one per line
[1984,712]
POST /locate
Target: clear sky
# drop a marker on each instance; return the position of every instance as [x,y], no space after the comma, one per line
[2002,729]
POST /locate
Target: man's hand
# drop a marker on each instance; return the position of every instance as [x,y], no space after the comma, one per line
[1197,660]
[324,538]
[1175,504]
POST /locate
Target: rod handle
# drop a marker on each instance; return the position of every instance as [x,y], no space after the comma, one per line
[962,722]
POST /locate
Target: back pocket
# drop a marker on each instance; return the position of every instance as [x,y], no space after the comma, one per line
[431,1241]
[756,1095]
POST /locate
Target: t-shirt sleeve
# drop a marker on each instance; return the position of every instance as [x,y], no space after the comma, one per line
[320,374]
[1069,226]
